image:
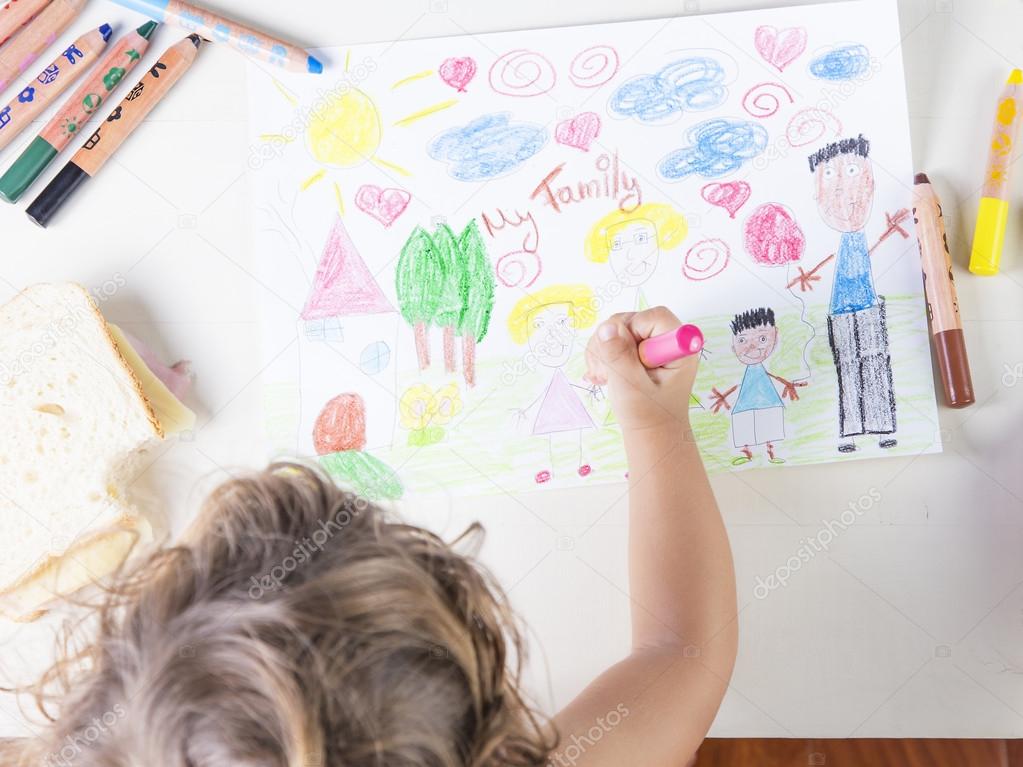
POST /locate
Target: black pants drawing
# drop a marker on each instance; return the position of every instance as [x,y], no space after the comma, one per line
[866,392]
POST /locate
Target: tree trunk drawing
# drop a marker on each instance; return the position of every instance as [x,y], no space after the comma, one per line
[476,285]
[422,334]
[449,299]
[449,349]
[469,359]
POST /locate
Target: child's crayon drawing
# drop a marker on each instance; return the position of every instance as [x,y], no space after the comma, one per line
[730,195]
[458,72]
[779,47]
[843,62]
[758,412]
[579,131]
[339,437]
[765,99]
[446,281]
[549,322]
[715,148]
[594,66]
[443,227]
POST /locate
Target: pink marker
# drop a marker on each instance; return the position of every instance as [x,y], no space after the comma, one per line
[660,350]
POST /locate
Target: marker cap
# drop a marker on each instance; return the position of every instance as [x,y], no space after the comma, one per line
[989,236]
[56,193]
[26,169]
[147,29]
[660,350]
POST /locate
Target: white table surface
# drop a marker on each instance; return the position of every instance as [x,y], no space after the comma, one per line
[910,625]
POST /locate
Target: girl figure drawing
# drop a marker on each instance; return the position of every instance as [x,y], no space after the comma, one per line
[549,321]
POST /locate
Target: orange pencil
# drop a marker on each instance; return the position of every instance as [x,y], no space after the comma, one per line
[16,14]
[116,129]
[76,112]
[35,38]
[41,91]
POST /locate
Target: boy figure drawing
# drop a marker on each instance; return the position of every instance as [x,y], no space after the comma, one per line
[857,324]
[758,416]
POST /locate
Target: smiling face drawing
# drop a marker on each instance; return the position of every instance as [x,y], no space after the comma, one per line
[755,345]
[845,192]
[552,334]
[634,251]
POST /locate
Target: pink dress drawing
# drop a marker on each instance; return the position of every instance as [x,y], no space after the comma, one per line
[560,410]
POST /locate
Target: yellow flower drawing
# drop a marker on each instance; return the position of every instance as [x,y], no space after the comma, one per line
[423,410]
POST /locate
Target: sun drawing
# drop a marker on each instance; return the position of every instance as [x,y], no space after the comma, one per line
[346,132]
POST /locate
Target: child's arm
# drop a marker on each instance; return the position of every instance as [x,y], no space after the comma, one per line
[655,707]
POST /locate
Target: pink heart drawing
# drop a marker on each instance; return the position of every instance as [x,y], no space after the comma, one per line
[458,72]
[580,131]
[385,205]
[730,195]
[779,47]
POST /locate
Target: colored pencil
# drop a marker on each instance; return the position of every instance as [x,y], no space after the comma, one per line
[942,302]
[219,29]
[36,37]
[39,93]
[16,14]
[75,113]
[993,215]
[109,136]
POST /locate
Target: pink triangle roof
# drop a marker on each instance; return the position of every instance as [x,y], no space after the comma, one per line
[343,285]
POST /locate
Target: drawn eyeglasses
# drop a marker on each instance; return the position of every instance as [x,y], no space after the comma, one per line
[640,238]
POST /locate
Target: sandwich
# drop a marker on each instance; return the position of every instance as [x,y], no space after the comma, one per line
[79,410]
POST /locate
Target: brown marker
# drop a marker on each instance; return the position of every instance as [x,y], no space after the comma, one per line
[942,303]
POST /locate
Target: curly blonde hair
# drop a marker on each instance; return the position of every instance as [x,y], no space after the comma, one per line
[295,625]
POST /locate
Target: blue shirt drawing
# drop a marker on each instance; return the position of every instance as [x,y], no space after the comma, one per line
[756,392]
[854,284]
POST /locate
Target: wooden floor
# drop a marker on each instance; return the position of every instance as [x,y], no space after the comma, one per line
[859,753]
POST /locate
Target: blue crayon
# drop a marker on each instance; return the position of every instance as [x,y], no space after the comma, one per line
[212,26]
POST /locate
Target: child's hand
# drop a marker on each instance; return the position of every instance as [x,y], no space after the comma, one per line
[641,398]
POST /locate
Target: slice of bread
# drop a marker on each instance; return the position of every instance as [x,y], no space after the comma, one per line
[75,423]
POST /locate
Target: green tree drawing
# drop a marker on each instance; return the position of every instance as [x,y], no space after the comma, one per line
[476,286]
[448,282]
[419,281]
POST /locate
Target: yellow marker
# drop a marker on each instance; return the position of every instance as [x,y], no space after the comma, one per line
[989,236]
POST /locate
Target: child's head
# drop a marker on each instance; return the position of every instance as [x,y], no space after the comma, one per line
[296,625]
[754,336]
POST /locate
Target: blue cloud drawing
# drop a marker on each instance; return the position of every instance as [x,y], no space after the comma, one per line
[489,146]
[688,85]
[715,148]
[841,63]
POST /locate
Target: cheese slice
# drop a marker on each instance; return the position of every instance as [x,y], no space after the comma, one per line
[174,416]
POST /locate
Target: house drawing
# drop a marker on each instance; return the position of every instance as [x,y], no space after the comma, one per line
[348,332]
